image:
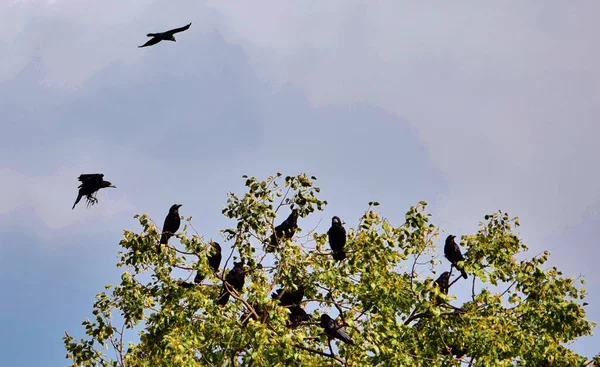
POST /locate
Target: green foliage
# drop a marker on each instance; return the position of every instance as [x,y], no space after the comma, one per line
[518,313]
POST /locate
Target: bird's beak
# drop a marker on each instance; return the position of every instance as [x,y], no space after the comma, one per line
[179,206]
[113,186]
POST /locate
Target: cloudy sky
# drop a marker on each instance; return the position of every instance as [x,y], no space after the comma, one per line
[472,106]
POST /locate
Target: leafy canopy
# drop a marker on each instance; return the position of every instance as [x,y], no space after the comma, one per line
[517,315]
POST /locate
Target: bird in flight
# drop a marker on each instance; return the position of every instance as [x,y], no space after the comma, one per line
[453,254]
[171,225]
[164,36]
[90,184]
[337,238]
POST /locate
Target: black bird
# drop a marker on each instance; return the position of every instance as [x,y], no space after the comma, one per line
[289,298]
[297,316]
[453,254]
[235,278]
[164,36]
[214,261]
[443,282]
[284,230]
[90,184]
[171,225]
[334,331]
[337,238]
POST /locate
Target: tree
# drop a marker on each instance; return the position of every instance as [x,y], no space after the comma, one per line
[518,314]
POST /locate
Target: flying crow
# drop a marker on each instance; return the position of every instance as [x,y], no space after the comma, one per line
[90,184]
[164,36]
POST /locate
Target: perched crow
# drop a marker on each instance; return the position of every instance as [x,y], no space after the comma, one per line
[164,36]
[171,225]
[284,230]
[235,278]
[337,238]
[443,282]
[290,297]
[334,331]
[297,316]
[453,254]
[90,184]
[214,261]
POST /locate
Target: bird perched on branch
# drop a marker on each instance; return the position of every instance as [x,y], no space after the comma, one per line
[335,331]
[235,278]
[285,230]
[297,316]
[453,254]
[164,36]
[290,297]
[90,184]
[171,225]
[443,282]
[214,261]
[337,238]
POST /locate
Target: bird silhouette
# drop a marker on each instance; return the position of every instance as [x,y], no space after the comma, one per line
[235,278]
[289,298]
[337,238]
[164,36]
[214,261]
[90,184]
[335,331]
[297,316]
[171,225]
[443,281]
[285,230]
[453,254]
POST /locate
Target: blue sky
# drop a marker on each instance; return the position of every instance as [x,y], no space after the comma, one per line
[473,107]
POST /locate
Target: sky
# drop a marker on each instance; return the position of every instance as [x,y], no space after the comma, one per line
[470,106]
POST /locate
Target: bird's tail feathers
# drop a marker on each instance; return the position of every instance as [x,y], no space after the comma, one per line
[76,201]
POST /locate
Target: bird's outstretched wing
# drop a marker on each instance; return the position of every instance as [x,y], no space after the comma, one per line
[177,30]
[151,42]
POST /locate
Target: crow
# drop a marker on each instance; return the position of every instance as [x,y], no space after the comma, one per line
[297,315]
[453,254]
[164,36]
[214,261]
[90,184]
[443,282]
[171,225]
[235,278]
[284,230]
[290,297]
[334,331]
[337,238]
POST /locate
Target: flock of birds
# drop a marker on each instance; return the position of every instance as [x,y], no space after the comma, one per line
[235,278]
